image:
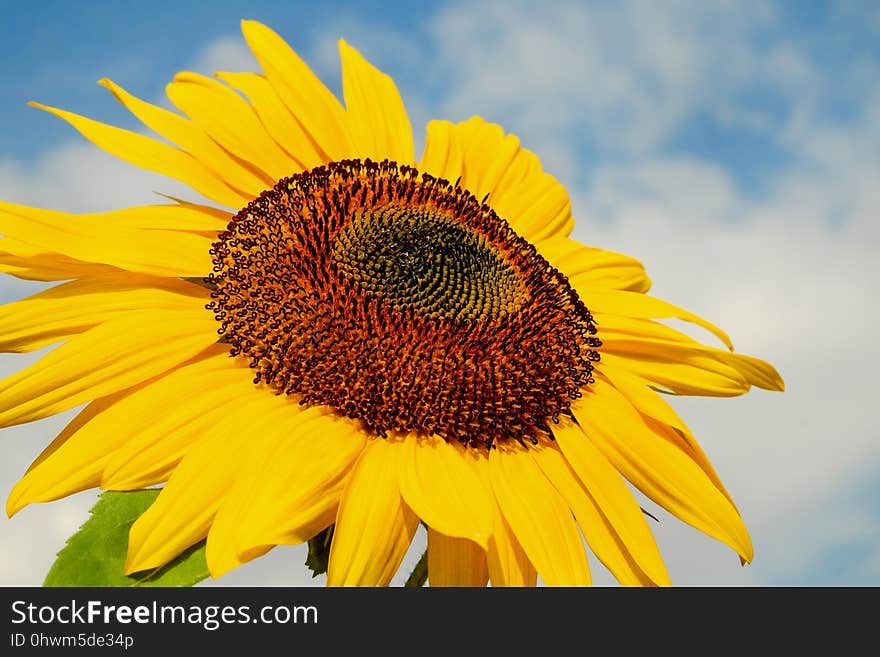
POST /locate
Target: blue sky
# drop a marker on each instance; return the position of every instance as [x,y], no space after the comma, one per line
[733,146]
[56,52]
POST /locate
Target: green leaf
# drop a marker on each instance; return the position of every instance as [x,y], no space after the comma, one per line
[95,555]
[319,551]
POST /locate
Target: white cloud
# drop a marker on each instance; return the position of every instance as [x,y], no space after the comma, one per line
[29,543]
[787,65]
[790,286]
[687,189]
[625,75]
[77,177]
[225,54]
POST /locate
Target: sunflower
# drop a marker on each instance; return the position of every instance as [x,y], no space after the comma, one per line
[334,333]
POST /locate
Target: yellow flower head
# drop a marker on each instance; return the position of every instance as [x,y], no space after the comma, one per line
[349,336]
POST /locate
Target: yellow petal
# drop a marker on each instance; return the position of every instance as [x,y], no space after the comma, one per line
[643,398]
[608,514]
[626,335]
[379,124]
[488,152]
[164,419]
[192,138]
[317,110]
[230,121]
[651,404]
[633,348]
[25,262]
[153,155]
[661,471]
[82,454]
[455,561]
[507,561]
[533,202]
[539,518]
[603,540]
[698,375]
[592,267]
[374,526]
[442,157]
[289,491]
[99,239]
[66,466]
[73,307]
[277,119]
[113,356]
[633,304]
[756,371]
[180,216]
[443,489]
[244,527]
[183,512]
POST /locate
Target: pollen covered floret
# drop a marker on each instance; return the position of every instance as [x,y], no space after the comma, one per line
[399,299]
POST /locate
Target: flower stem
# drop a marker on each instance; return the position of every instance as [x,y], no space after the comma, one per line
[419,574]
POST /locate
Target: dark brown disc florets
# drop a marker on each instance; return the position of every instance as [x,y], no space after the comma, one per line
[399,299]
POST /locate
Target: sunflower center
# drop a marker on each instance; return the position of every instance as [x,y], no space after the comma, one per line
[399,299]
[421,258]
